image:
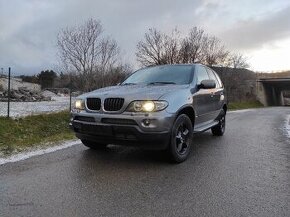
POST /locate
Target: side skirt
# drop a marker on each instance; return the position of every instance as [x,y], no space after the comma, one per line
[205,127]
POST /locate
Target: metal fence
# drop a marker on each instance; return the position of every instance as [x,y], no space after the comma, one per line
[9,107]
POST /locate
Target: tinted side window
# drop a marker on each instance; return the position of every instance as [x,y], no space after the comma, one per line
[213,77]
[218,78]
[201,74]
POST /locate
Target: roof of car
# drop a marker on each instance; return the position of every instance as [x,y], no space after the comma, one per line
[179,64]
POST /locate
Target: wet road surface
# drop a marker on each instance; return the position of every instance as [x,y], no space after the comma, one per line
[244,173]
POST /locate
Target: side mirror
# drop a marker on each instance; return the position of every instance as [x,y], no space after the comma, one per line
[207,84]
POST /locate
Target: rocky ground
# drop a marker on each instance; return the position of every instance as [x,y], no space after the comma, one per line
[25,95]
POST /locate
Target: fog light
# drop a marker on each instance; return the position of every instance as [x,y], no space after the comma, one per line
[146,122]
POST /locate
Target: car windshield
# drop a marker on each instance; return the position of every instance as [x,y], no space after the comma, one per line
[167,74]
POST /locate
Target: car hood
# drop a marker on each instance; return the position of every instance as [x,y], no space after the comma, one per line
[135,92]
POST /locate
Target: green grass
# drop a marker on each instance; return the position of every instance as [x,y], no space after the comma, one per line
[20,134]
[244,105]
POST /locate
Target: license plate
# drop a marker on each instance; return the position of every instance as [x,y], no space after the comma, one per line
[97,129]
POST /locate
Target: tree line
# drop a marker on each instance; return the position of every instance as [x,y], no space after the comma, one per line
[51,79]
[196,47]
[90,59]
[45,78]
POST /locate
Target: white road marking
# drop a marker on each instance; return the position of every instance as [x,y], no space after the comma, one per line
[287,126]
[242,110]
[26,155]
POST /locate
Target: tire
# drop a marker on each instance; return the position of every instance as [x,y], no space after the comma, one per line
[181,139]
[219,129]
[94,145]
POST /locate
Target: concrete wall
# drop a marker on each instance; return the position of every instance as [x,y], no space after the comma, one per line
[261,93]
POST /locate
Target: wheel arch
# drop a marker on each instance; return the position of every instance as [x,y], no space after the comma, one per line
[189,111]
[225,108]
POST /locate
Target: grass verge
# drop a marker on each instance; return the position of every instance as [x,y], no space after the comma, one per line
[27,132]
[244,105]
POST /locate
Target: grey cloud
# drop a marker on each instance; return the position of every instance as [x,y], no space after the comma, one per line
[29,28]
[29,38]
[253,33]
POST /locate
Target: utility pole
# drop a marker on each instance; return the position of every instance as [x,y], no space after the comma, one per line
[70,87]
[9,77]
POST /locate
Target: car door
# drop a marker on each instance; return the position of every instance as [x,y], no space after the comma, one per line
[217,93]
[202,98]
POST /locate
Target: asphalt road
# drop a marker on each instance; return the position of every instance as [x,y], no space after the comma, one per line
[244,173]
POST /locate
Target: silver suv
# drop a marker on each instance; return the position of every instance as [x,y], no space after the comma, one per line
[158,107]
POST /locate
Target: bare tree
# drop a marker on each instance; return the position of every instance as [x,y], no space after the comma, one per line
[84,51]
[192,46]
[117,74]
[159,48]
[214,51]
[171,47]
[238,60]
[108,53]
[151,50]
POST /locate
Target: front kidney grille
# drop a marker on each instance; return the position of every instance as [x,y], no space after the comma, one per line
[94,104]
[113,104]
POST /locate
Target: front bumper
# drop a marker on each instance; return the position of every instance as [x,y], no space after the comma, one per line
[125,129]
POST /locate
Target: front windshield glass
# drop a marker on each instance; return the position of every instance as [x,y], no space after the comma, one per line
[167,74]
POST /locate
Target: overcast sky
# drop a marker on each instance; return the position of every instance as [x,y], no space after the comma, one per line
[260,29]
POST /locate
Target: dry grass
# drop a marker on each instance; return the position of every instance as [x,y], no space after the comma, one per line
[20,134]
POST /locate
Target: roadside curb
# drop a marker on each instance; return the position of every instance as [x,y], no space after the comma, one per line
[38,152]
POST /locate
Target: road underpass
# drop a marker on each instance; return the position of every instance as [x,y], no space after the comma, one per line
[270,91]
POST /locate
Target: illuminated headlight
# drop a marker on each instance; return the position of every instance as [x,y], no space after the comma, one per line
[79,104]
[147,106]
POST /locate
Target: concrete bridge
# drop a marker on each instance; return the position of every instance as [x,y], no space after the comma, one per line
[270,91]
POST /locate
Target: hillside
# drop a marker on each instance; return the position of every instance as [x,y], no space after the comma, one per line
[240,83]
[17,83]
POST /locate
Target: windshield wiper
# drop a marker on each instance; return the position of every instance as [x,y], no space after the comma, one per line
[129,84]
[161,82]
